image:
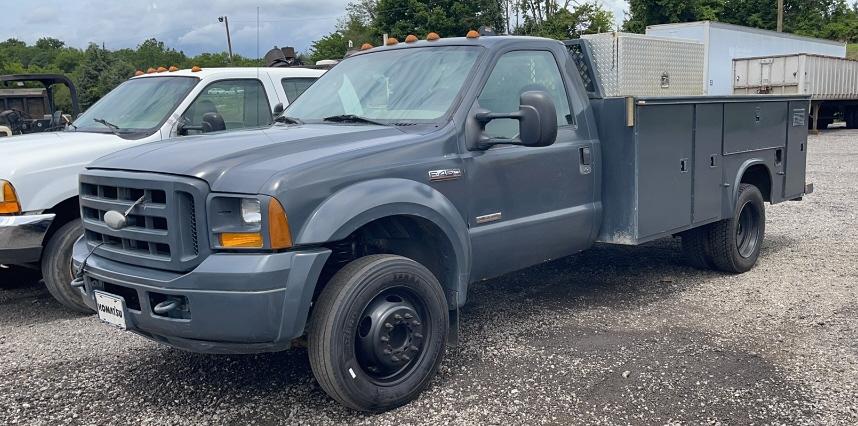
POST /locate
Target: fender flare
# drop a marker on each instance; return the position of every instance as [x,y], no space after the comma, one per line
[359,204]
[747,164]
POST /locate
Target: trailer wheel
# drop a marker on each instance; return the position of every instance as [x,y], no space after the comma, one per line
[695,248]
[378,332]
[736,242]
[57,269]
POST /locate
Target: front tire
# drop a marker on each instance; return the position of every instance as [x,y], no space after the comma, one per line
[378,332]
[736,242]
[57,267]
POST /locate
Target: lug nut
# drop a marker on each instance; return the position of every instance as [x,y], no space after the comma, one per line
[413,348]
[397,317]
[387,352]
[409,316]
[406,357]
[385,339]
[394,358]
[415,323]
[388,325]
[418,336]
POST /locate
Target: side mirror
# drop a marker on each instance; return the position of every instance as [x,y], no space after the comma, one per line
[537,121]
[213,122]
[278,110]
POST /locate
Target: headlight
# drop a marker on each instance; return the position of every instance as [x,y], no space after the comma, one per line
[8,199]
[251,211]
[249,223]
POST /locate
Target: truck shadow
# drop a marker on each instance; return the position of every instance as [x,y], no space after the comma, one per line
[24,300]
[604,278]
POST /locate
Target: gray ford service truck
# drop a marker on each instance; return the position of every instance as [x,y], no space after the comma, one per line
[404,174]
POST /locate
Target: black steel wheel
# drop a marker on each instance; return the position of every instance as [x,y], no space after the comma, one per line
[378,332]
[735,243]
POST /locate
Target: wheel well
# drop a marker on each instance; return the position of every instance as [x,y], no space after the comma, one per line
[66,212]
[409,236]
[758,175]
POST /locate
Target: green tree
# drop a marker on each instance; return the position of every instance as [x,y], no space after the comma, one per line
[651,12]
[561,23]
[100,73]
[331,46]
[449,18]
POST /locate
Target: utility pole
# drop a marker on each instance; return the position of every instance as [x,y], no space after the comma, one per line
[225,21]
[780,16]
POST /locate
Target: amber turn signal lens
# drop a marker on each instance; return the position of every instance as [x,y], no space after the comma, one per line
[241,240]
[8,199]
[432,37]
[411,38]
[278,226]
[392,41]
[473,34]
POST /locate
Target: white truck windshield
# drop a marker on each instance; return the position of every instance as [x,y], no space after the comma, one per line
[138,105]
[397,85]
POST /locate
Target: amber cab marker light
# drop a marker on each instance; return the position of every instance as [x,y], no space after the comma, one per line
[138,73]
[241,240]
[8,199]
[392,41]
[173,68]
[366,46]
[473,34]
[196,69]
[432,37]
[411,38]
[278,226]
[151,70]
[162,69]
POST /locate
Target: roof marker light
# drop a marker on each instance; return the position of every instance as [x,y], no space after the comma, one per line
[151,70]
[161,69]
[473,34]
[392,41]
[138,73]
[196,69]
[433,37]
[173,68]
[411,38]
[366,46]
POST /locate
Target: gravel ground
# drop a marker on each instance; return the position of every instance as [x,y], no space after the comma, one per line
[615,335]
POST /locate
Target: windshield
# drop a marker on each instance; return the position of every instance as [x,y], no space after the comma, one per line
[138,105]
[418,84]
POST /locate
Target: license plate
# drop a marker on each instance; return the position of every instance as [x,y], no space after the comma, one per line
[111,309]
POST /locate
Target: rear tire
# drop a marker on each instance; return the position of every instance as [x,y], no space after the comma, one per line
[378,332]
[695,248]
[57,267]
[736,242]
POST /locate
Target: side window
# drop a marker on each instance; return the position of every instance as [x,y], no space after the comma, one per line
[516,73]
[239,103]
[294,87]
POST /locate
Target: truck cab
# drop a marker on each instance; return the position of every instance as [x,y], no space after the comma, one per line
[39,209]
[408,172]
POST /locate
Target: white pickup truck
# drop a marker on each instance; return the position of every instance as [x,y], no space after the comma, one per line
[39,210]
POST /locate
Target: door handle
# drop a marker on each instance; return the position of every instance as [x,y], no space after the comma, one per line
[586,156]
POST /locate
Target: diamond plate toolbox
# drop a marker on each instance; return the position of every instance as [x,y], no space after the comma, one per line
[639,65]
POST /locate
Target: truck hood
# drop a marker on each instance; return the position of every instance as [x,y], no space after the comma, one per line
[38,152]
[244,161]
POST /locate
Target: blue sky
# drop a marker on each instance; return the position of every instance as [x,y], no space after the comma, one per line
[187,25]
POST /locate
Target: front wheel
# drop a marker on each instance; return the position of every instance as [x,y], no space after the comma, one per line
[57,267]
[735,243]
[378,332]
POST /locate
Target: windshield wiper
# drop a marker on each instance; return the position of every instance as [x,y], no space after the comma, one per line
[113,128]
[288,120]
[351,118]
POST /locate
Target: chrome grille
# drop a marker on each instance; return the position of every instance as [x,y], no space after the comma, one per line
[162,232]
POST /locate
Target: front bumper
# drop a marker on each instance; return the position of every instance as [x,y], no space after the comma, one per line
[21,237]
[232,303]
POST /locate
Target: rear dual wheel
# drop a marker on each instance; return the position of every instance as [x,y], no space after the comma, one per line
[731,245]
[378,332]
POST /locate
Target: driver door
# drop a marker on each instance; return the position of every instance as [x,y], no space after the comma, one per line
[528,204]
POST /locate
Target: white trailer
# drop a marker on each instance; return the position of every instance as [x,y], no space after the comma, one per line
[831,82]
[725,42]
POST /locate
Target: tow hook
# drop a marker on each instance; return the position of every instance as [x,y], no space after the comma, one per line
[166,307]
